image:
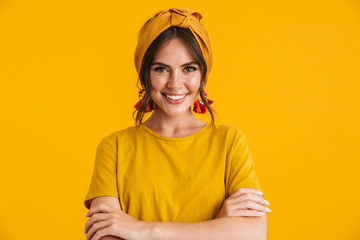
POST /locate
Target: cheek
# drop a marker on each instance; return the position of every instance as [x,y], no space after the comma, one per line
[156,82]
[195,82]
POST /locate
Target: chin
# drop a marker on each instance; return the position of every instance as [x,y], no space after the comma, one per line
[175,112]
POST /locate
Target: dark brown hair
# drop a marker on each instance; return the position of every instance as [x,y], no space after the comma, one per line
[187,37]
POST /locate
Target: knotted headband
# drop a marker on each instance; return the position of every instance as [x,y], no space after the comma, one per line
[179,17]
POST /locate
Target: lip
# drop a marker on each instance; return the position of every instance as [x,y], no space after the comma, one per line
[178,101]
[174,94]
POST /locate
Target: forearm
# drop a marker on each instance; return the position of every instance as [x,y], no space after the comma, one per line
[110,238]
[239,228]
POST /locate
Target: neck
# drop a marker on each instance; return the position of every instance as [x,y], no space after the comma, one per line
[160,122]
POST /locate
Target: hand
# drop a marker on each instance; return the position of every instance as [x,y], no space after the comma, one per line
[245,202]
[105,220]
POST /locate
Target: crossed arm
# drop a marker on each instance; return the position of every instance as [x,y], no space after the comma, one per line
[242,217]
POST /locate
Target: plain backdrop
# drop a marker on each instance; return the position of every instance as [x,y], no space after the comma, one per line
[286,73]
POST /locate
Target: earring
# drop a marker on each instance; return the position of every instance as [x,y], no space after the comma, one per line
[149,107]
[200,107]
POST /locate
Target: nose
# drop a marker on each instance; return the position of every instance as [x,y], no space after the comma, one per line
[174,81]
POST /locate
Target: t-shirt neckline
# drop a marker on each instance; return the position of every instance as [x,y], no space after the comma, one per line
[155,134]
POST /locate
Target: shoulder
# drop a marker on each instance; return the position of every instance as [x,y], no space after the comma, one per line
[229,136]
[229,130]
[117,135]
[117,138]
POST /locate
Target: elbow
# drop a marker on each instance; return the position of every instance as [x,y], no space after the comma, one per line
[261,235]
[255,229]
[260,230]
[257,234]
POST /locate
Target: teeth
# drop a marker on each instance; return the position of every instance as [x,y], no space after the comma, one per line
[175,97]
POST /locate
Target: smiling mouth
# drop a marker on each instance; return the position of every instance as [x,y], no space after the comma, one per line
[174,97]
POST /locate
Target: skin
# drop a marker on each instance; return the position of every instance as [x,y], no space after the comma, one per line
[174,71]
[243,214]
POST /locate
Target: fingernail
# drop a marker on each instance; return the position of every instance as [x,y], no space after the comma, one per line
[261,213]
[86,214]
[260,192]
[268,209]
[267,203]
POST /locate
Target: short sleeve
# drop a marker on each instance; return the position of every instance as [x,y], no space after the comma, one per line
[241,166]
[103,182]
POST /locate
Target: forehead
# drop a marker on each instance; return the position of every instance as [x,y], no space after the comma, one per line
[173,50]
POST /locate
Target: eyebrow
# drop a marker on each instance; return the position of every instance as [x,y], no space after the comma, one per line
[165,65]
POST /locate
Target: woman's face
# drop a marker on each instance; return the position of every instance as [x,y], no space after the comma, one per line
[175,78]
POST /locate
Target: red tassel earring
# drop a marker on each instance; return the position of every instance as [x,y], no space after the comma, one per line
[149,107]
[200,107]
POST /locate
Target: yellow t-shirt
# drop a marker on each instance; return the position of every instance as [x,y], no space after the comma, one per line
[165,179]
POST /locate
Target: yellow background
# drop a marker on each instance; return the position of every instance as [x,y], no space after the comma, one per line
[285,72]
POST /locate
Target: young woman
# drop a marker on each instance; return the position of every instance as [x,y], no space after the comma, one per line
[174,176]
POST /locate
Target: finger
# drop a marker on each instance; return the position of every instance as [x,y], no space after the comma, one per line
[101,233]
[95,218]
[249,196]
[246,190]
[99,208]
[96,227]
[249,213]
[243,205]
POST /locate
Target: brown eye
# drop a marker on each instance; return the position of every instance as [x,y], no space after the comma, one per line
[189,69]
[160,69]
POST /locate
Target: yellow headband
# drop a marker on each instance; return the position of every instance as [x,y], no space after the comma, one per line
[180,17]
